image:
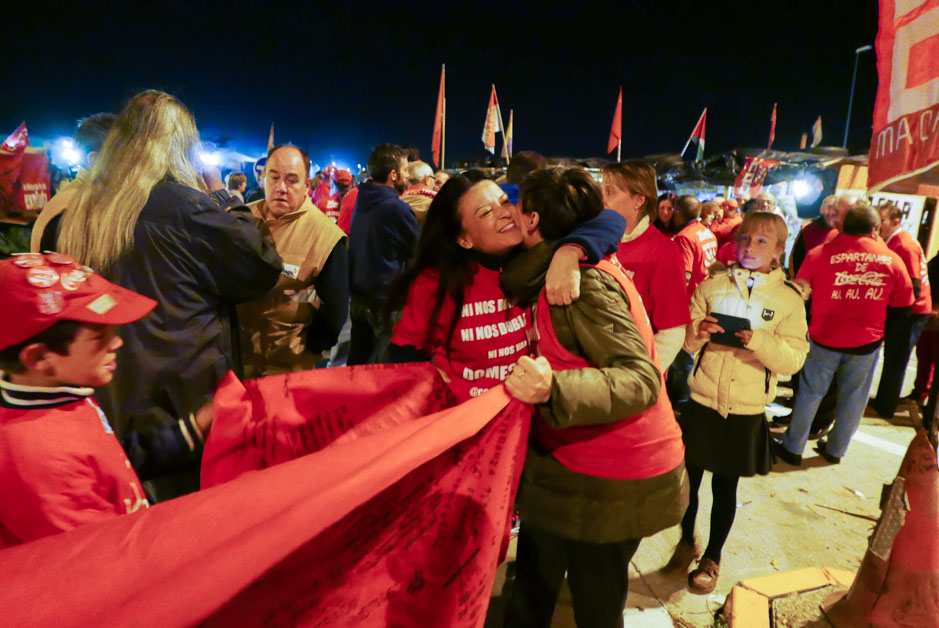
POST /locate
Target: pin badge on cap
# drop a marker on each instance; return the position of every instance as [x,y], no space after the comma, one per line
[29,260]
[72,279]
[42,276]
[50,302]
[59,258]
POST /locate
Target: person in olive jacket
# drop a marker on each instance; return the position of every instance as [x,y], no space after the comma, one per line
[145,222]
[605,463]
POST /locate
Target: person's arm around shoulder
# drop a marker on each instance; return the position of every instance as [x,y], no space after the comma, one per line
[784,349]
[624,381]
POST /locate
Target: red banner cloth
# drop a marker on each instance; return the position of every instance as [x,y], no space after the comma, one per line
[32,190]
[905,145]
[396,518]
[11,163]
[750,180]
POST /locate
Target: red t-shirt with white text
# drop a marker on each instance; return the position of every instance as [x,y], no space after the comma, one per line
[329,205]
[698,248]
[854,279]
[910,251]
[490,336]
[653,262]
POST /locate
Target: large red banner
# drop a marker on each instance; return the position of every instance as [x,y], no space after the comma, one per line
[905,145]
[381,506]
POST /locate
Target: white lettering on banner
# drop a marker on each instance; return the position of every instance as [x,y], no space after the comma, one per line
[870,278]
[466,335]
[478,308]
[485,332]
[499,372]
[860,257]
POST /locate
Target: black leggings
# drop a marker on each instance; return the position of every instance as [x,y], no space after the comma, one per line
[723,510]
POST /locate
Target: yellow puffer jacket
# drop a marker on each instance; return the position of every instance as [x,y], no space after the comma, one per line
[743,381]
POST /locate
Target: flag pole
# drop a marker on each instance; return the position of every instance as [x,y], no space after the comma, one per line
[619,151]
[443,133]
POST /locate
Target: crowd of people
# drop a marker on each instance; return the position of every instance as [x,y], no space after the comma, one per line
[646,331]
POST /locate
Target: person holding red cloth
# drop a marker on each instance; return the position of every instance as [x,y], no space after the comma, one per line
[650,258]
[860,290]
[61,466]
[605,464]
[897,347]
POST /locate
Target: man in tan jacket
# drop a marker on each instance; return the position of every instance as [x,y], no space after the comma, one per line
[290,327]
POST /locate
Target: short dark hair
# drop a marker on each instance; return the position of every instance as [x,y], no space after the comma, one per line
[384,160]
[860,220]
[414,153]
[563,198]
[522,163]
[476,175]
[306,158]
[57,338]
[893,212]
[688,207]
[235,180]
[92,130]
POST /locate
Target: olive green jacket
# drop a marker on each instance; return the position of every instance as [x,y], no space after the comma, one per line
[599,328]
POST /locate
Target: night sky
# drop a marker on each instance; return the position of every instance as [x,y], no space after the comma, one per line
[337,78]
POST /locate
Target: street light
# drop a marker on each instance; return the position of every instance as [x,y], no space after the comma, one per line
[847,123]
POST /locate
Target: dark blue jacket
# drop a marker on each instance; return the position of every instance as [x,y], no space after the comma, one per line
[381,241]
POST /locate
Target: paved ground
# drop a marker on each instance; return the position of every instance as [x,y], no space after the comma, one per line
[816,515]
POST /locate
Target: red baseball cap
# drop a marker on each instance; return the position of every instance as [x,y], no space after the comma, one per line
[342,176]
[40,290]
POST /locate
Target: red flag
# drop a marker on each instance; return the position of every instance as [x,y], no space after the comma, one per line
[772,127]
[750,180]
[697,136]
[616,131]
[11,163]
[493,122]
[904,149]
[17,140]
[396,515]
[438,119]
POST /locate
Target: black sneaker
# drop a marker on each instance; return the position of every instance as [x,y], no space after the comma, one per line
[822,448]
[785,455]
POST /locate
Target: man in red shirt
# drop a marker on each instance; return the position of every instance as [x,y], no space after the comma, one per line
[859,288]
[897,347]
[698,248]
[697,244]
[726,227]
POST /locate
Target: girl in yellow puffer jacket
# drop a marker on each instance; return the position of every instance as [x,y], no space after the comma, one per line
[724,426]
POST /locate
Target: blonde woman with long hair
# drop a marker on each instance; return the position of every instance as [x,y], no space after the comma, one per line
[145,222]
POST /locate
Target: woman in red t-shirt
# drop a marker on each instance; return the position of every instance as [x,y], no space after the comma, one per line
[650,258]
[454,310]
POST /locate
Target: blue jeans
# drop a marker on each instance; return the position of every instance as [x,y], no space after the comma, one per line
[855,373]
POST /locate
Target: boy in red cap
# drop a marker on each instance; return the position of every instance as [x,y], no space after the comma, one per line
[60,465]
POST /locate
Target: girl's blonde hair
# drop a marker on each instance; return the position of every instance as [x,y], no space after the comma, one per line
[153,139]
[774,222]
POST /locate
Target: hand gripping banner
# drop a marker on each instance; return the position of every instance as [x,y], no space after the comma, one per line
[341,497]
